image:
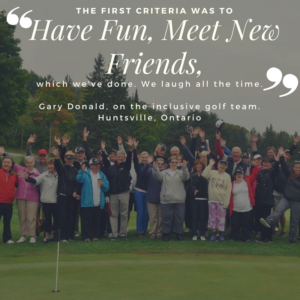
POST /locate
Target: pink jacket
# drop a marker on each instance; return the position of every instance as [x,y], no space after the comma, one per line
[26,191]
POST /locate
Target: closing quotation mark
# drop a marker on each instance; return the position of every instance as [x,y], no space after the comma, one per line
[290,81]
[13,19]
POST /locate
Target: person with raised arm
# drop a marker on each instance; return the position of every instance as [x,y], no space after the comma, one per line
[219,190]
[172,197]
[67,194]
[8,184]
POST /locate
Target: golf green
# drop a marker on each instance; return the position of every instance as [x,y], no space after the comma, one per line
[151,276]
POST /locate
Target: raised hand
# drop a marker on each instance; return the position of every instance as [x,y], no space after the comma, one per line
[102,145]
[23,175]
[280,151]
[120,140]
[2,150]
[202,135]
[83,167]
[296,140]
[157,149]
[212,161]
[155,164]
[184,163]
[218,134]
[55,152]
[85,134]
[130,141]
[182,140]
[65,140]
[135,143]
[57,140]
[150,159]
[254,138]
[31,139]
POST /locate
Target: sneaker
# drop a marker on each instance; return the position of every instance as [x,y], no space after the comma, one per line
[110,235]
[247,241]
[276,228]
[87,240]
[32,240]
[166,238]
[140,235]
[194,238]
[179,237]
[50,238]
[152,236]
[265,223]
[187,230]
[123,237]
[10,242]
[265,241]
[112,239]
[76,233]
[202,238]
[95,240]
[213,238]
[64,241]
[221,238]
[282,234]
[22,239]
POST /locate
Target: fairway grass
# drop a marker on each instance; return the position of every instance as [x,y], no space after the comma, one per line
[151,276]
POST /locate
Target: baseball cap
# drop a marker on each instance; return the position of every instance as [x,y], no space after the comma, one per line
[256,156]
[42,152]
[246,155]
[99,152]
[238,170]
[94,161]
[112,151]
[203,148]
[223,161]
[163,146]
[70,155]
[267,159]
[79,149]
[287,151]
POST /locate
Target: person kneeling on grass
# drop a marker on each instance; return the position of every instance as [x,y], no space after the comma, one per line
[219,190]
[172,196]
[48,187]
[8,183]
[94,185]
[291,198]
[241,202]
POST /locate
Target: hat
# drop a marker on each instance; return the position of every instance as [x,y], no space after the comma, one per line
[70,155]
[43,152]
[79,149]
[163,146]
[94,161]
[287,151]
[246,155]
[238,170]
[189,128]
[99,152]
[112,151]
[223,161]
[256,156]
[267,159]
[203,148]
[219,124]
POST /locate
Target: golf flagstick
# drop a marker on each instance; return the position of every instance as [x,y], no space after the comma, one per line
[56,280]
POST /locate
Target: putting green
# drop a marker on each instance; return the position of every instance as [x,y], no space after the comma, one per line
[151,276]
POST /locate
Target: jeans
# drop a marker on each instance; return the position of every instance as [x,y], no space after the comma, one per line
[142,218]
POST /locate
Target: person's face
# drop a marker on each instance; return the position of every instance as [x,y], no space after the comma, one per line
[266,164]
[50,168]
[120,158]
[80,156]
[162,152]
[144,158]
[198,167]
[29,165]
[222,167]
[179,159]
[297,169]
[246,160]
[7,164]
[42,158]
[160,164]
[239,177]
[99,157]
[95,168]
[175,152]
[236,153]
[270,153]
[258,161]
[204,159]
[112,156]
[69,161]
[287,156]
[173,164]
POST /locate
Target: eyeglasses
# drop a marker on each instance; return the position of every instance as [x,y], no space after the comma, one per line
[173,162]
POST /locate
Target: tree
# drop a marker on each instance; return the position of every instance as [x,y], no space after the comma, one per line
[13,95]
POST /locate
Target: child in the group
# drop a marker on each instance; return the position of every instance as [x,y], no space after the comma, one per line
[219,190]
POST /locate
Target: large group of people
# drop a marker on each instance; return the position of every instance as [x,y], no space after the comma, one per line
[173,195]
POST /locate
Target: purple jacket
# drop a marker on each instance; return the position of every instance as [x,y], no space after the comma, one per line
[26,190]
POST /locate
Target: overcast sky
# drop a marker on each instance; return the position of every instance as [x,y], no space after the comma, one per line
[229,62]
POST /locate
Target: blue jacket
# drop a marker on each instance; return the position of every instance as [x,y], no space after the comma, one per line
[87,189]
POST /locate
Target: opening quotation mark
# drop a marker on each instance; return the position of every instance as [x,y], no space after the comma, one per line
[290,81]
[13,19]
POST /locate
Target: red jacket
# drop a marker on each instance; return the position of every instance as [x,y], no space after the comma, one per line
[8,181]
[249,179]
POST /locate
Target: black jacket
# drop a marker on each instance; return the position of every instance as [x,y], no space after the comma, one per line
[67,184]
[265,187]
[119,176]
[200,184]
[230,166]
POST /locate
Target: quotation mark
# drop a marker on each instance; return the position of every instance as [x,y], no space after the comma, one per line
[290,81]
[13,19]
